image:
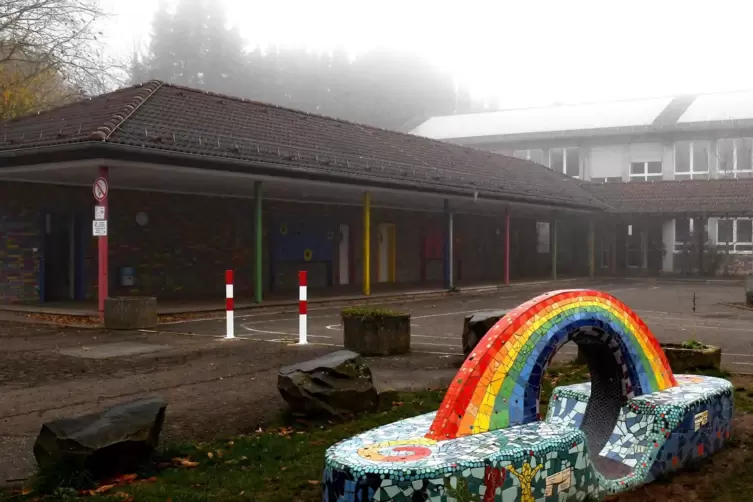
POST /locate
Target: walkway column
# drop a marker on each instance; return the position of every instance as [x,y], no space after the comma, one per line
[449,257]
[507,247]
[102,241]
[591,249]
[668,239]
[644,252]
[366,243]
[698,228]
[553,246]
[258,238]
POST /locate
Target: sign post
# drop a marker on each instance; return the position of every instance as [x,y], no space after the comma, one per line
[100,190]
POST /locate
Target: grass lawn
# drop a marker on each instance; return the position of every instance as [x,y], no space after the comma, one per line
[284,463]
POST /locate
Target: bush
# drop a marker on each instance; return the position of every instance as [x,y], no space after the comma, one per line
[368,313]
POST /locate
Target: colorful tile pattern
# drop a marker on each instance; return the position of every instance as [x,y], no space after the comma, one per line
[499,383]
[601,437]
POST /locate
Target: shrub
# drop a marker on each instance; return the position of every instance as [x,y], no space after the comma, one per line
[370,313]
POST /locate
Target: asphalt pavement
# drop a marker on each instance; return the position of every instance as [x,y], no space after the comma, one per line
[674,311]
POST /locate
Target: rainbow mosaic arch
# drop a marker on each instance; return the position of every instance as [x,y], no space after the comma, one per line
[499,383]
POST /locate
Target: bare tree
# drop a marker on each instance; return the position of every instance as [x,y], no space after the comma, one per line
[50,52]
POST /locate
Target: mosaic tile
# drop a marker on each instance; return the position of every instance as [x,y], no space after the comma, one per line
[635,421]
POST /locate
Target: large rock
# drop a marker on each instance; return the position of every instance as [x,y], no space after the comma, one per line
[112,442]
[131,312]
[336,384]
[382,335]
[476,325]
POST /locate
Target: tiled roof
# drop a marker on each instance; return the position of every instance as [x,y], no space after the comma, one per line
[693,197]
[159,117]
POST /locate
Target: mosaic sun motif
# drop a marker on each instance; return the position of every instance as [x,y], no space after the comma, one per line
[633,422]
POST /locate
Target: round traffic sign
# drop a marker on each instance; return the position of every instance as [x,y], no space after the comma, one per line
[100,189]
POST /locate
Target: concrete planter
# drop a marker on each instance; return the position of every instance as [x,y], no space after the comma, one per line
[682,360]
[131,312]
[376,334]
[476,325]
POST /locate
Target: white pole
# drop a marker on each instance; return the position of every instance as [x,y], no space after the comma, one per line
[302,308]
[229,304]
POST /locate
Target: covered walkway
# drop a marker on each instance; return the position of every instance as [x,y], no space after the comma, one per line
[196,183]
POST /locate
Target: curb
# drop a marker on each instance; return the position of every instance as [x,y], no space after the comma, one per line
[21,316]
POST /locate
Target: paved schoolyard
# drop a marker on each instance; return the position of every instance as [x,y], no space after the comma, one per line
[436,325]
[225,387]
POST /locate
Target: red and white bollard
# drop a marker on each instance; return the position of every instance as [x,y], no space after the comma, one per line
[302,308]
[229,304]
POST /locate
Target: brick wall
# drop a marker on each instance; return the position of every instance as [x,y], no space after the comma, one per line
[189,241]
[22,209]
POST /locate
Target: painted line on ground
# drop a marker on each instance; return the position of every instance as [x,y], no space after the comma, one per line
[291,308]
[283,333]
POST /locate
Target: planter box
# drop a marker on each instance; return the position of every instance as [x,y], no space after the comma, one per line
[377,336]
[682,360]
[476,325]
[131,312]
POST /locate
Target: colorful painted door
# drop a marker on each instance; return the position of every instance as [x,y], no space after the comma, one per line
[386,253]
[344,255]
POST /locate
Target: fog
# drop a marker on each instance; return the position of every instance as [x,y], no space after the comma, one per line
[394,63]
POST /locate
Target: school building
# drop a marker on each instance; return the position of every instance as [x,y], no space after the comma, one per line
[157,189]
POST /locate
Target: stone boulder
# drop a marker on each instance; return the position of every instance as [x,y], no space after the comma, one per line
[337,384]
[105,444]
[476,325]
[131,312]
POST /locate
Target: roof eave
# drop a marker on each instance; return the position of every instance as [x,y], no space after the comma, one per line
[86,150]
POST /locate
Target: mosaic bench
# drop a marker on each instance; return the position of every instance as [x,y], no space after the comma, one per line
[634,421]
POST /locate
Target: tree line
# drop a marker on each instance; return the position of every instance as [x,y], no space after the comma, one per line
[51,56]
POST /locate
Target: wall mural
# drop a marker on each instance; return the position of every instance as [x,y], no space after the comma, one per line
[634,421]
[303,241]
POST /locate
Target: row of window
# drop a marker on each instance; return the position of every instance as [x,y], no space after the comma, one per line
[692,160]
[734,235]
[564,160]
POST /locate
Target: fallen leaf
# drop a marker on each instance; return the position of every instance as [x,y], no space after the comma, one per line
[314,482]
[103,488]
[230,443]
[184,462]
[24,491]
[126,478]
[210,454]
[397,403]
[283,468]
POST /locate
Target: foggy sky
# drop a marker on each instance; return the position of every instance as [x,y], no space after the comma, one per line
[528,52]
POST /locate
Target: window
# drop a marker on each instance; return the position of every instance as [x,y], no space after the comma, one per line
[735,235]
[609,179]
[684,231]
[634,248]
[535,155]
[735,157]
[565,160]
[645,171]
[691,160]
